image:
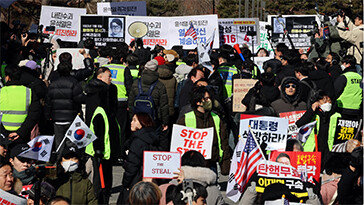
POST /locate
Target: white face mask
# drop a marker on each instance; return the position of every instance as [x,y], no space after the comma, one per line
[343,67]
[326,107]
[69,166]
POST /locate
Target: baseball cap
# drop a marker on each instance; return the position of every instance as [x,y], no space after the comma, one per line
[17,149]
[151,65]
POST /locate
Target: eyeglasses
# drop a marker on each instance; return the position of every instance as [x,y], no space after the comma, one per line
[290,85]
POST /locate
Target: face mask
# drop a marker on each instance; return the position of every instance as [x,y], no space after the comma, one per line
[326,107]
[69,165]
[25,176]
[207,105]
[342,67]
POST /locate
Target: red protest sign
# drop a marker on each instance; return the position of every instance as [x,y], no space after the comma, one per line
[304,162]
[292,117]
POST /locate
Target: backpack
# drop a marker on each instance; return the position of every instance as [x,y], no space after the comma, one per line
[144,102]
[178,92]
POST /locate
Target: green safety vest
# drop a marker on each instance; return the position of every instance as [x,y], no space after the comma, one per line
[309,146]
[180,63]
[134,73]
[226,73]
[14,104]
[90,148]
[117,77]
[352,95]
[190,121]
[255,72]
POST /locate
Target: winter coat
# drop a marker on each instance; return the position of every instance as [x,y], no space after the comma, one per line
[323,82]
[207,178]
[145,139]
[205,120]
[159,95]
[260,95]
[335,71]
[185,95]
[64,99]
[355,37]
[76,188]
[170,82]
[215,81]
[288,104]
[30,78]
[306,86]
[286,71]
[79,74]
[128,78]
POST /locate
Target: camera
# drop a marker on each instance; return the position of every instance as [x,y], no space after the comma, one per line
[340,12]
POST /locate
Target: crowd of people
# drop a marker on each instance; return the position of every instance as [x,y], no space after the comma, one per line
[130,96]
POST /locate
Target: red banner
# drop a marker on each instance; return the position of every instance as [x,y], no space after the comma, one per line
[292,117]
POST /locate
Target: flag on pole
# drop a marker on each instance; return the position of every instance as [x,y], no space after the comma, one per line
[305,131]
[40,148]
[204,51]
[243,165]
[191,32]
[80,134]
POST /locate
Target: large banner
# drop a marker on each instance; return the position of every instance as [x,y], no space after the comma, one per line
[346,129]
[264,42]
[297,26]
[161,164]
[292,119]
[240,89]
[11,199]
[170,31]
[65,20]
[131,8]
[235,31]
[271,130]
[77,57]
[186,138]
[308,164]
[105,30]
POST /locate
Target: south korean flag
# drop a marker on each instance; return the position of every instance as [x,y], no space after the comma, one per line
[80,134]
[40,148]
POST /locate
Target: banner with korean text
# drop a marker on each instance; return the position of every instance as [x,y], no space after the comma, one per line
[235,31]
[292,119]
[131,8]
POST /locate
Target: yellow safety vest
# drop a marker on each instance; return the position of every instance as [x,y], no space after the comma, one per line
[226,73]
[118,78]
[352,94]
[14,104]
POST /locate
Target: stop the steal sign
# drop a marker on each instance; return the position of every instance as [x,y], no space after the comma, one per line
[161,164]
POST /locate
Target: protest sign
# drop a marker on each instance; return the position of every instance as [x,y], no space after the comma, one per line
[259,61]
[282,201]
[273,172]
[170,31]
[40,148]
[105,30]
[306,163]
[292,119]
[186,138]
[161,164]
[11,199]
[271,130]
[346,129]
[264,42]
[131,8]
[79,133]
[65,20]
[240,89]
[235,31]
[77,57]
[297,26]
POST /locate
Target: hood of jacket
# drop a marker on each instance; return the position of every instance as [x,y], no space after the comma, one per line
[164,72]
[202,175]
[149,77]
[147,134]
[296,97]
[95,86]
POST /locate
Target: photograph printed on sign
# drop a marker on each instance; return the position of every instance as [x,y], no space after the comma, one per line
[116,27]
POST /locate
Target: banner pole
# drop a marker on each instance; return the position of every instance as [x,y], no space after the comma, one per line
[60,145]
[260,150]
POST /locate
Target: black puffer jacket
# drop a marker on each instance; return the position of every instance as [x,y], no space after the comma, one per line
[159,95]
[64,99]
[30,78]
[323,81]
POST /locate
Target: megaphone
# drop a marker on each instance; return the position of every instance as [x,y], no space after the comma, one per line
[236,47]
[138,29]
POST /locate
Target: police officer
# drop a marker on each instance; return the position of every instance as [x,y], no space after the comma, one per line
[226,72]
[19,107]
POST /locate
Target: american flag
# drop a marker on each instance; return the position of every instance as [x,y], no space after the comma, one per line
[191,32]
[248,162]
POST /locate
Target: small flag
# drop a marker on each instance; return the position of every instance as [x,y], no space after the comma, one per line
[191,32]
[40,148]
[305,131]
[80,134]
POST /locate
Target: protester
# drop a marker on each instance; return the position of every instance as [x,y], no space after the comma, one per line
[6,177]
[23,169]
[185,95]
[146,193]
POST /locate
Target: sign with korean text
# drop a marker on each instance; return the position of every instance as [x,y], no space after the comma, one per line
[292,119]
[161,164]
[131,8]
[235,31]
[65,20]
[264,42]
[77,57]
[11,199]
[186,138]
[240,89]
[273,172]
[105,30]
[308,164]
[297,26]
[271,130]
[346,129]
[170,31]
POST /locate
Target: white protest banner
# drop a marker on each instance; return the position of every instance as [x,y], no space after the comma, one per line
[131,8]
[161,164]
[259,61]
[65,20]
[235,31]
[11,199]
[271,130]
[264,42]
[105,30]
[292,117]
[297,26]
[40,148]
[170,31]
[77,57]
[186,138]
[79,133]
